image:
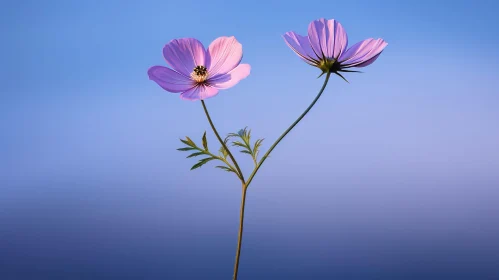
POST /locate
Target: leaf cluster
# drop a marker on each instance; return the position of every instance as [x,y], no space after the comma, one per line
[204,151]
[244,142]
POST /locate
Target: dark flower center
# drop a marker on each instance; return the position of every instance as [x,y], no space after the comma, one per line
[199,74]
[200,70]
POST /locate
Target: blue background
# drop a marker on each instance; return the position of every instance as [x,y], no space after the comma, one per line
[393,176]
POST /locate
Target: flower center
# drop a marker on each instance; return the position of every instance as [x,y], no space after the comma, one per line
[199,74]
[330,65]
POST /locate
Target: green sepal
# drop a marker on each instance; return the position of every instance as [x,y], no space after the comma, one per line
[341,77]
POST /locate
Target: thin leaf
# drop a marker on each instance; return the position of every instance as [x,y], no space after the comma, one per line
[195,154]
[246,152]
[205,142]
[188,143]
[202,162]
[186,149]
[256,148]
[248,137]
[257,145]
[237,143]
[225,168]
[224,152]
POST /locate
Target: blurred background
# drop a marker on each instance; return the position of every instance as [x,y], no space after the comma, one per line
[393,176]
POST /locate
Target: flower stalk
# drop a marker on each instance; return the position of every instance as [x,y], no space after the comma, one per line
[240,233]
[224,145]
[245,184]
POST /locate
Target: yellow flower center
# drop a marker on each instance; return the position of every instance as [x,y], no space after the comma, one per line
[327,64]
[199,74]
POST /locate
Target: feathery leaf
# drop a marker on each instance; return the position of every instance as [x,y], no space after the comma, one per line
[202,162]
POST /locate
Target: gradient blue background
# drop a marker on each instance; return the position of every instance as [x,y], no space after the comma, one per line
[393,176]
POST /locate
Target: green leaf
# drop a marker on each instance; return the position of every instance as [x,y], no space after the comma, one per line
[202,162]
[225,168]
[237,143]
[246,152]
[257,145]
[186,149]
[186,142]
[190,141]
[223,152]
[195,154]
[248,137]
[205,142]
[256,148]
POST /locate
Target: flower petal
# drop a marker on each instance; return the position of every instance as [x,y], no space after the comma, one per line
[368,62]
[169,79]
[338,38]
[225,53]
[232,78]
[327,37]
[361,53]
[301,46]
[184,54]
[199,92]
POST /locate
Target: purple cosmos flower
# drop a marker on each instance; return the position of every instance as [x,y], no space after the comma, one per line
[326,47]
[199,73]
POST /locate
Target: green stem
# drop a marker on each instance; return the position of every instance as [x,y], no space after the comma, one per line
[240,174]
[288,130]
[240,235]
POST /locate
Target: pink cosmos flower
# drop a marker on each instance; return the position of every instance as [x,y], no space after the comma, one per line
[326,47]
[199,73]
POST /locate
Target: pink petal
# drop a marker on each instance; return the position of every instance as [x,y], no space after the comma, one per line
[363,52]
[169,79]
[199,92]
[184,54]
[232,78]
[225,54]
[301,46]
[327,37]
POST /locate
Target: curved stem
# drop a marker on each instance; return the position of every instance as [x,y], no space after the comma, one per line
[240,235]
[288,130]
[240,174]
